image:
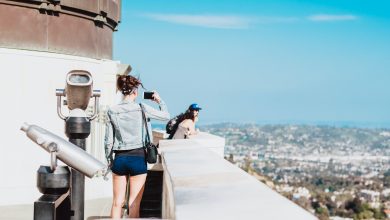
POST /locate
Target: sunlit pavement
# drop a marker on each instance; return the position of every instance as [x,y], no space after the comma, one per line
[94,209]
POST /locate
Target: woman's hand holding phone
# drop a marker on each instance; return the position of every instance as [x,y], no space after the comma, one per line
[156,97]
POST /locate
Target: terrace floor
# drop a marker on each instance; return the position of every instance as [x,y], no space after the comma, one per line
[94,209]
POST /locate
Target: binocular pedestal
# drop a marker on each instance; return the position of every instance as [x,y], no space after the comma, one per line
[77,129]
[55,201]
[62,189]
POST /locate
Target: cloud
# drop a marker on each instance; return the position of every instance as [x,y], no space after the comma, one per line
[330,17]
[273,20]
[209,21]
[240,22]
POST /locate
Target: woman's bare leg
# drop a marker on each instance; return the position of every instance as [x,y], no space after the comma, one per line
[119,192]
[137,184]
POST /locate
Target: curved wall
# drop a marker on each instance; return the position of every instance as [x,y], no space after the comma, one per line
[74,27]
[40,42]
[27,94]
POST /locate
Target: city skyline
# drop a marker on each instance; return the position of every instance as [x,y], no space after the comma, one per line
[263,61]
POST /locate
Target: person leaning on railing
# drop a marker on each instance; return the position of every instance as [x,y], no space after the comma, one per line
[186,128]
[124,138]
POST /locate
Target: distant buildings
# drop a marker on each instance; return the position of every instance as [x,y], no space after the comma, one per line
[327,165]
[301,192]
[369,195]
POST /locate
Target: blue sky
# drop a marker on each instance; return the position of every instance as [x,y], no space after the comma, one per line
[263,61]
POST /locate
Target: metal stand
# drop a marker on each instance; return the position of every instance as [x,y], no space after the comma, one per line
[77,129]
[49,207]
[54,184]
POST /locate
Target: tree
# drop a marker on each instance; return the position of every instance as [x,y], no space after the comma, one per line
[322,213]
[247,166]
[386,179]
[355,205]
[331,206]
[231,159]
[366,214]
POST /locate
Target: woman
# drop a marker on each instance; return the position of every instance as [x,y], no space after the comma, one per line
[186,128]
[124,138]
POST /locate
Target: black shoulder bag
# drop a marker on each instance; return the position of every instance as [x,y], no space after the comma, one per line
[110,158]
[151,149]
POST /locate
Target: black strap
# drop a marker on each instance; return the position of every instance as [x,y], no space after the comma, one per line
[113,139]
[171,135]
[146,124]
[179,119]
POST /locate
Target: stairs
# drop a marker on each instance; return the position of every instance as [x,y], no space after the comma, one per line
[151,203]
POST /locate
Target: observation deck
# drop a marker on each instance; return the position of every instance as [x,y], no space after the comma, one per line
[194,181]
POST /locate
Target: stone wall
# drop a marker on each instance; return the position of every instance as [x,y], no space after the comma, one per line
[200,184]
[80,28]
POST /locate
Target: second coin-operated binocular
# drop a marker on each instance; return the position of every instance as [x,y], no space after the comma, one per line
[67,152]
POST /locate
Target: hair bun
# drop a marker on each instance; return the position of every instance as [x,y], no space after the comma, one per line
[127,83]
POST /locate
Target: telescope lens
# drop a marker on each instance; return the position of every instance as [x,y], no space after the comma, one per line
[79,78]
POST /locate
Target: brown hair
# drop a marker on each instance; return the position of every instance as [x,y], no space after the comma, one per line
[189,114]
[127,84]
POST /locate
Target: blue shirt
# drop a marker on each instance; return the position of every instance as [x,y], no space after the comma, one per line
[125,129]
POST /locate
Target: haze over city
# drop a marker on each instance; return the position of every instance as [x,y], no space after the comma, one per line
[263,61]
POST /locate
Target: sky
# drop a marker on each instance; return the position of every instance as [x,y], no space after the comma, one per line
[272,61]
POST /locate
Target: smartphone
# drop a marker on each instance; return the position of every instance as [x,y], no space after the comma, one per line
[148,95]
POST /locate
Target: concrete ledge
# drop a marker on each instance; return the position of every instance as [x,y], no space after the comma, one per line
[199,184]
[201,141]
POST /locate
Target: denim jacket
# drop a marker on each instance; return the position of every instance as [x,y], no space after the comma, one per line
[125,129]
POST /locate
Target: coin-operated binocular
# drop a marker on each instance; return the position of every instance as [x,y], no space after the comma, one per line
[54,181]
[63,189]
[65,151]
